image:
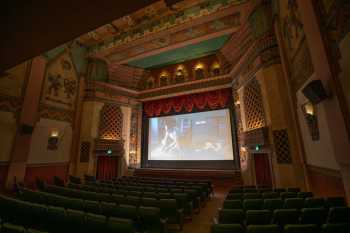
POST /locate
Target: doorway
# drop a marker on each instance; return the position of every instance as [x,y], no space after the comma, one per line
[262,169]
[107,167]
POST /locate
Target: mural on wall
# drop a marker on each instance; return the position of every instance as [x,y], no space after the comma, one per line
[296,46]
[292,27]
[133,147]
[61,83]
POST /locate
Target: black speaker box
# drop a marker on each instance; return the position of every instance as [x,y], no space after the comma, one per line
[315,92]
[26,129]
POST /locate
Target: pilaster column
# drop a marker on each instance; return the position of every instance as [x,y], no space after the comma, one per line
[28,117]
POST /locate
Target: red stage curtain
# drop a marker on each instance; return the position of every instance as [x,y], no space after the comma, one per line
[107,167]
[211,100]
[262,169]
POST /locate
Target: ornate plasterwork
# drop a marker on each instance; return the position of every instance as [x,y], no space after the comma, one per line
[10,104]
[54,113]
[150,20]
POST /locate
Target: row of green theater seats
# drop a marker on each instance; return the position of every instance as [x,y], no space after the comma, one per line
[140,190]
[272,228]
[194,195]
[282,217]
[264,190]
[58,220]
[206,189]
[13,228]
[159,209]
[289,203]
[186,201]
[267,195]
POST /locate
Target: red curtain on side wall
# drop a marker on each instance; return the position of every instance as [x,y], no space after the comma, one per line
[107,167]
[188,103]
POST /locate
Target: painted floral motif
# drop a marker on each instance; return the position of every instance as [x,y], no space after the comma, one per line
[69,87]
[54,84]
[292,25]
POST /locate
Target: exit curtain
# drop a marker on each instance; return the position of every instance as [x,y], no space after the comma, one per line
[188,103]
[107,167]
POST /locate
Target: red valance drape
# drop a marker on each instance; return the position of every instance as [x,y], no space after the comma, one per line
[188,103]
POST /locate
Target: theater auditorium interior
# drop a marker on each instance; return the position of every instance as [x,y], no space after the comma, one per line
[165,116]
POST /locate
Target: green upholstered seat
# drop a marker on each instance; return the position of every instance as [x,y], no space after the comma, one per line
[108,208]
[234,196]
[126,211]
[270,195]
[339,215]
[169,211]
[56,219]
[280,190]
[293,189]
[258,217]
[252,196]
[227,228]
[232,204]
[12,228]
[250,190]
[335,202]
[183,202]
[150,220]
[32,196]
[95,223]
[119,225]
[74,203]
[253,204]
[151,202]
[228,216]
[286,216]
[75,220]
[273,204]
[305,194]
[263,229]
[336,228]
[286,195]
[294,203]
[316,216]
[118,198]
[165,195]
[301,228]
[150,194]
[92,207]
[312,202]
[132,200]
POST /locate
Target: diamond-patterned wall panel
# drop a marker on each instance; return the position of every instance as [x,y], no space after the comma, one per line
[282,149]
[85,152]
[111,122]
[253,105]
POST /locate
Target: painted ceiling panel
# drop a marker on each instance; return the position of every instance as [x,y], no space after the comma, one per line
[182,54]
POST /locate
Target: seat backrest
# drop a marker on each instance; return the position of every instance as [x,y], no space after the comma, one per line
[11,228]
[227,216]
[151,202]
[272,228]
[339,215]
[252,196]
[293,189]
[335,202]
[253,204]
[313,216]
[301,228]
[273,204]
[336,228]
[270,195]
[305,194]
[294,203]
[234,196]
[286,195]
[92,207]
[286,216]
[232,204]
[226,228]
[312,202]
[119,225]
[258,217]
[95,223]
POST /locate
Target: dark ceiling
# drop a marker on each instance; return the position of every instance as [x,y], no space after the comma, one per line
[31,27]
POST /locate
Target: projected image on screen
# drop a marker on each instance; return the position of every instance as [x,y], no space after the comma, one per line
[195,136]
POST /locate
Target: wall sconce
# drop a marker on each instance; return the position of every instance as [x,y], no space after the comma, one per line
[237,103]
[52,143]
[310,115]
